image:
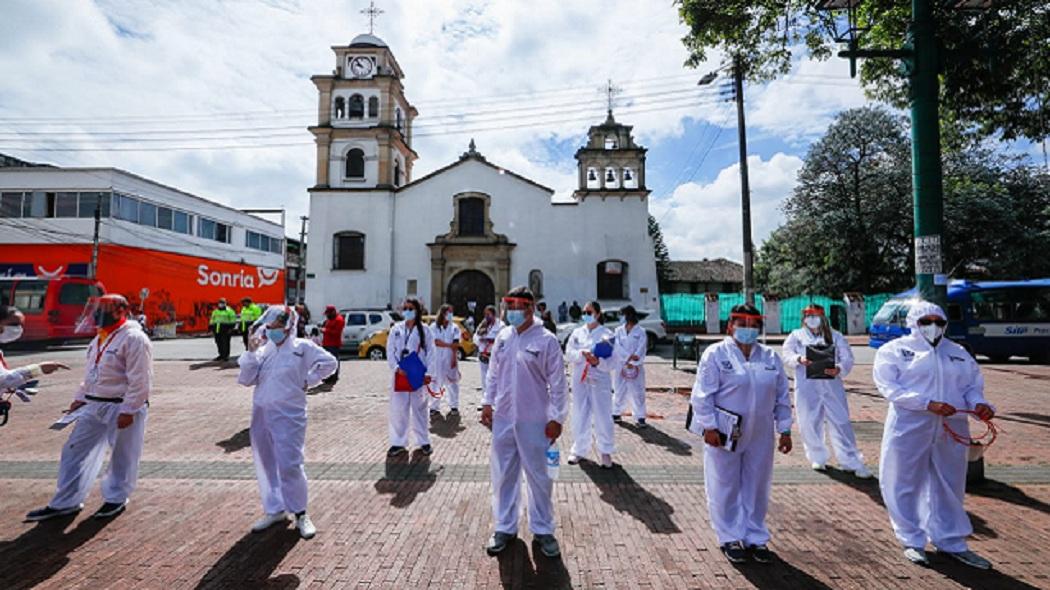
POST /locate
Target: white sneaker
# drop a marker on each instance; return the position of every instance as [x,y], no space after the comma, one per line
[307,530]
[819,467]
[863,472]
[268,520]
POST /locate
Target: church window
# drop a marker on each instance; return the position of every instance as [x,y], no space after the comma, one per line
[355,163]
[356,110]
[397,173]
[612,280]
[610,178]
[471,217]
[397,118]
[340,107]
[592,178]
[629,181]
[373,107]
[536,283]
[348,251]
[610,142]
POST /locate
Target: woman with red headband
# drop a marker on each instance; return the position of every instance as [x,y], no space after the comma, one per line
[931,383]
[282,368]
[741,399]
[592,386]
[823,400]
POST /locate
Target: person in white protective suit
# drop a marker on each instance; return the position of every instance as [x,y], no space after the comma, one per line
[446,361]
[928,379]
[821,402]
[629,381]
[486,337]
[112,408]
[525,402]
[591,387]
[281,369]
[409,408]
[740,376]
[11,321]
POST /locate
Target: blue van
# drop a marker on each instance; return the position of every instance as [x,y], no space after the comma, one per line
[997,319]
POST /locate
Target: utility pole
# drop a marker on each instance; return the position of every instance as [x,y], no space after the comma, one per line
[745,188]
[93,271]
[299,279]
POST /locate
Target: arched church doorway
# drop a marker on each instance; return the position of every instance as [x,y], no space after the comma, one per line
[469,292]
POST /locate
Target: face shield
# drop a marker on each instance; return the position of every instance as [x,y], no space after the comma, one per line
[101,313]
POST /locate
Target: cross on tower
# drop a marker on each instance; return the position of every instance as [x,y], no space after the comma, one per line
[372,12]
[610,91]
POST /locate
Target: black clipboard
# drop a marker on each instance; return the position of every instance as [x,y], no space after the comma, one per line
[729,426]
[821,357]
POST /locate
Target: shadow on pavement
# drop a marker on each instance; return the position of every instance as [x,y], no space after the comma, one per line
[238,441]
[980,526]
[1041,420]
[655,436]
[1008,493]
[622,492]
[220,365]
[447,426]
[518,572]
[969,577]
[249,563]
[869,486]
[405,478]
[778,574]
[42,551]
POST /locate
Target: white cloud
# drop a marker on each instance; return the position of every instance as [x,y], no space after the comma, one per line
[704,221]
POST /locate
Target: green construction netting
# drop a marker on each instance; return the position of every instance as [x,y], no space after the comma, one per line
[791,310]
[687,310]
[872,304]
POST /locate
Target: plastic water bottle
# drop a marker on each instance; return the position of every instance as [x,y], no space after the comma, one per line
[553,460]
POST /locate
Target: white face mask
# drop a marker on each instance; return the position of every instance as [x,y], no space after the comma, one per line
[10,334]
[932,333]
[812,322]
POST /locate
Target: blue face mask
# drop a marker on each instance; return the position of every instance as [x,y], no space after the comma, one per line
[277,335]
[410,314]
[745,335]
[515,317]
[588,318]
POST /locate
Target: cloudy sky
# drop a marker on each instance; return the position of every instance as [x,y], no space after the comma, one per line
[214,97]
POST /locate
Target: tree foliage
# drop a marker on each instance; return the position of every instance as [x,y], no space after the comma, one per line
[996,63]
[849,219]
[660,252]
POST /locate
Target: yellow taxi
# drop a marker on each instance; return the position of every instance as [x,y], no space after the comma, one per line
[374,347]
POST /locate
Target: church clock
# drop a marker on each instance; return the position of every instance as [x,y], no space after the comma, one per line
[362,67]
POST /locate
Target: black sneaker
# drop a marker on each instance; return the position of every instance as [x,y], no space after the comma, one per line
[110,509]
[427,450]
[761,553]
[453,412]
[617,419]
[642,424]
[395,451]
[498,542]
[48,512]
[735,552]
[435,414]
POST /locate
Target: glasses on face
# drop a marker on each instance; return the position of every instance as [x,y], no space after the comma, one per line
[938,321]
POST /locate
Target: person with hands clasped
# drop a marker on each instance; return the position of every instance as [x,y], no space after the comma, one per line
[446,361]
[592,386]
[931,383]
[822,399]
[739,398]
[409,349]
[524,405]
[112,406]
[631,344]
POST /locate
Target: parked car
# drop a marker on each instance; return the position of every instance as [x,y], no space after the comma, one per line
[361,324]
[51,307]
[648,320]
[374,347]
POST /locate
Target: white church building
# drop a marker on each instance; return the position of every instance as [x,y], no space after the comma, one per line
[468,232]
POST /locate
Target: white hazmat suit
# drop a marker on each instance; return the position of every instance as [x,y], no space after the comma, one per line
[281,375]
[409,407]
[738,483]
[443,368]
[486,338]
[823,401]
[591,391]
[630,387]
[118,380]
[923,470]
[526,389]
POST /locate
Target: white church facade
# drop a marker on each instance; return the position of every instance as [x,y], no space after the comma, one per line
[468,232]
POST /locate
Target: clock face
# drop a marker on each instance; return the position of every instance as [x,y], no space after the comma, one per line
[361,67]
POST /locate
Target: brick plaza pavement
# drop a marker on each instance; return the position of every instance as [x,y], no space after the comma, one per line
[421,523]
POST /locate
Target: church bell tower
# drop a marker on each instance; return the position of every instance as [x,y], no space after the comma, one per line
[611,164]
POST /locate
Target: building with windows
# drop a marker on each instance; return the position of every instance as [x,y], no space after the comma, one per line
[468,232]
[181,251]
[716,275]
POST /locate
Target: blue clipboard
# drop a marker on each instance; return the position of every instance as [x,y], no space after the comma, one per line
[414,369]
[603,349]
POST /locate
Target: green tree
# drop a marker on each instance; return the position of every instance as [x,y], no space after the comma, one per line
[660,252]
[996,63]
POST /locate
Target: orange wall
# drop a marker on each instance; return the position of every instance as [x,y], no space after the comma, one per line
[179,287]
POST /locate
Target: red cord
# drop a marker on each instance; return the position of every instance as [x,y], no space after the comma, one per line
[436,394]
[991,431]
